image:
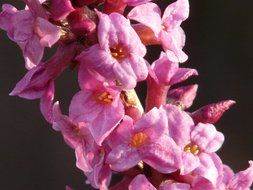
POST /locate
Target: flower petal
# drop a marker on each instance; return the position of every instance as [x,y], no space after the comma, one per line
[140,182]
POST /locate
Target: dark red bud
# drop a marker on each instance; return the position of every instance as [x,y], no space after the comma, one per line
[212,112]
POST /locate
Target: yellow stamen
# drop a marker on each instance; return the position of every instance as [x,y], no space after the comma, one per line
[192,148]
[105,98]
[118,52]
[138,140]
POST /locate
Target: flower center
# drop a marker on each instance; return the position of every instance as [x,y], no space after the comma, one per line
[104,98]
[192,148]
[118,52]
[138,140]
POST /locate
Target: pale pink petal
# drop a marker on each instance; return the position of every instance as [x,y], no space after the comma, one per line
[183,74]
[148,14]
[242,180]
[189,163]
[116,29]
[122,158]
[49,34]
[164,69]
[170,43]
[33,52]
[207,168]
[163,155]
[83,159]
[139,67]
[98,59]
[175,13]
[140,182]
[180,125]
[207,137]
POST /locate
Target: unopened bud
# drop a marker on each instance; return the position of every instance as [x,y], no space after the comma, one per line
[212,112]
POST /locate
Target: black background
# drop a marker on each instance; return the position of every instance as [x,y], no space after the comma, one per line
[219,45]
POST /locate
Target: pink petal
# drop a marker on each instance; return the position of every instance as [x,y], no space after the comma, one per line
[97,59]
[189,163]
[207,168]
[60,9]
[122,158]
[140,182]
[180,125]
[85,108]
[163,155]
[49,34]
[173,44]
[6,15]
[183,74]
[164,69]
[33,52]
[148,14]
[242,180]
[175,13]
[207,138]
[46,103]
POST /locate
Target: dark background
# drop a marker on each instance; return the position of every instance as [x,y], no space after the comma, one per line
[219,45]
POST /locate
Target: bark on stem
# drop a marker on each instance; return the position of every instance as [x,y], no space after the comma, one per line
[156,94]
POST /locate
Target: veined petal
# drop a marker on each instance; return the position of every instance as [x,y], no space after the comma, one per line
[148,14]
[123,157]
[163,155]
[207,137]
[182,74]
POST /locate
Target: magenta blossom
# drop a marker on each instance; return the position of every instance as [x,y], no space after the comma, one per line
[30,29]
[119,54]
[198,143]
[146,141]
[90,157]
[39,81]
[166,28]
[94,104]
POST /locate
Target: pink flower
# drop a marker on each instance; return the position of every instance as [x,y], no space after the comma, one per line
[39,81]
[30,29]
[98,105]
[90,157]
[147,140]
[140,182]
[198,143]
[167,28]
[119,54]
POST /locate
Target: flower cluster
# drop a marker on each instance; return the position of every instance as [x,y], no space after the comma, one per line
[163,147]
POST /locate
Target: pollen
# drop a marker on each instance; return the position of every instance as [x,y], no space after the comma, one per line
[192,148]
[105,98]
[138,140]
[118,52]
